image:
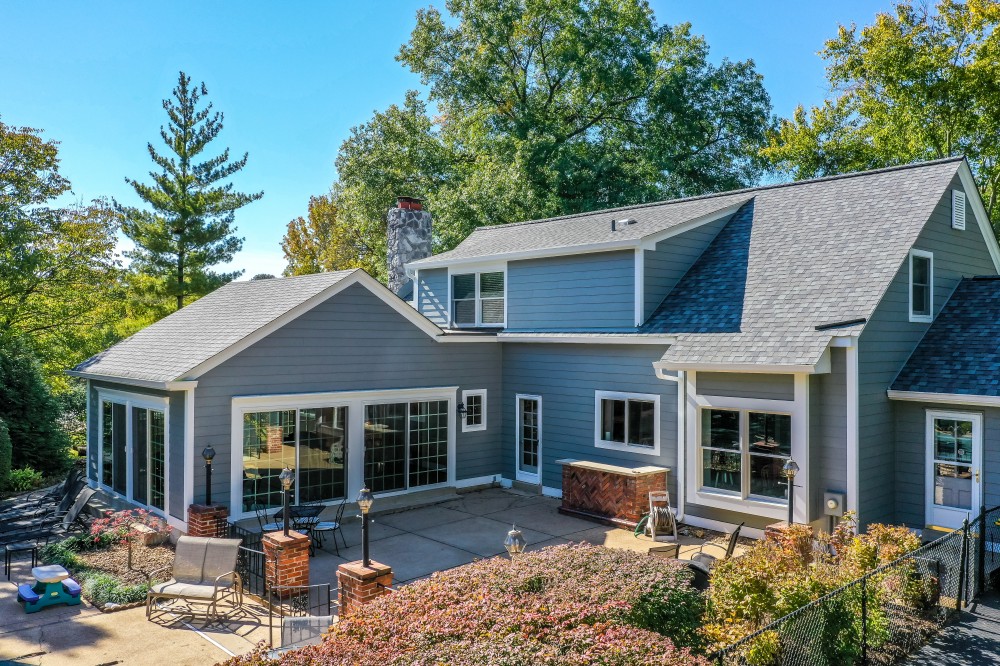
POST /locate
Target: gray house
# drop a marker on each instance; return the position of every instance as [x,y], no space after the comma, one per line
[846,322]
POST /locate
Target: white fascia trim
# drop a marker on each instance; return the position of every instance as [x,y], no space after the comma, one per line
[979,210]
[583,339]
[945,398]
[137,399]
[750,368]
[640,286]
[357,277]
[844,340]
[458,337]
[307,400]
[178,385]
[646,242]
[601,443]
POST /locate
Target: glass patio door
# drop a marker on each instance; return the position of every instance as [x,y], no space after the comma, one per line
[529,437]
[149,455]
[406,445]
[954,462]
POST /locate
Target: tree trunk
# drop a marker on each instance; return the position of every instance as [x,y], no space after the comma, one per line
[180,280]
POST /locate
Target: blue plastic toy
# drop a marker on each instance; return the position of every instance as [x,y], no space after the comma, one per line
[53,586]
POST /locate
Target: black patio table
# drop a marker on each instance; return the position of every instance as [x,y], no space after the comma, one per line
[304,518]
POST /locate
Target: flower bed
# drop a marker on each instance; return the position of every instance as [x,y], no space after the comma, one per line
[111,564]
[574,604]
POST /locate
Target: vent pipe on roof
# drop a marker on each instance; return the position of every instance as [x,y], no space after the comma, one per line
[409,238]
[615,224]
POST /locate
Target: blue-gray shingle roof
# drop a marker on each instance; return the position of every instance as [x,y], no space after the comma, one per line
[960,353]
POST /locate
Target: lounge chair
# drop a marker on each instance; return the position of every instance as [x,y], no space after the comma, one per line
[204,572]
[58,525]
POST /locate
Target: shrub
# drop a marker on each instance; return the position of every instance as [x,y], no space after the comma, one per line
[5,456]
[120,526]
[561,605]
[63,554]
[24,479]
[102,588]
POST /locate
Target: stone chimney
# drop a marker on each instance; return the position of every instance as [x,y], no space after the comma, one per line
[409,228]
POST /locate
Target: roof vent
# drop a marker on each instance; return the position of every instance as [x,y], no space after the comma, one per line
[624,222]
[958,210]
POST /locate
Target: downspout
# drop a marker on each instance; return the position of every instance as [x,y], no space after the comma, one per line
[681,444]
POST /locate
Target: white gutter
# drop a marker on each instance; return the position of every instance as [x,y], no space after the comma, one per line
[681,444]
[163,385]
[945,398]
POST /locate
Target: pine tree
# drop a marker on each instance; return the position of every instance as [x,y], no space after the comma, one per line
[190,227]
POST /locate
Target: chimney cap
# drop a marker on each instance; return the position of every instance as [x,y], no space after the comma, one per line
[409,203]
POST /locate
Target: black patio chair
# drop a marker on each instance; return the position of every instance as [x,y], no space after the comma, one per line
[708,560]
[262,520]
[332,526]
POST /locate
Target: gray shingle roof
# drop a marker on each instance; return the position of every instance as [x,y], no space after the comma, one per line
[168,349]
[960,353]
[575,231]
[798,256]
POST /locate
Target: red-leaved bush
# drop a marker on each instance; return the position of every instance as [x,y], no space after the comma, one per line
[573,605]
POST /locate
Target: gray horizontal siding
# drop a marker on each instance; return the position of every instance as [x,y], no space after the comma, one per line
[667,264]
[727,516]
[911,457]
[828,432]
[746,385]
[432,290]
[352,342]
[581,292]
[888,340]
[567,377]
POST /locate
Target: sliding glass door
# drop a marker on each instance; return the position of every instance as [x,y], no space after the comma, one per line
[406,445]
[140,433]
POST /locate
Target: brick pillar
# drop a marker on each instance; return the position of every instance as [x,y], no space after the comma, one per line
[208,521]
[360,584]
[275,439]
[286,559]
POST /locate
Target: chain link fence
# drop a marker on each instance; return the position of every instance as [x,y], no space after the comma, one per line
[888,613]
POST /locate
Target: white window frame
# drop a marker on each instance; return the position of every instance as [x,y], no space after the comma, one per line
[477,271]
[142,401]
[921,318]
[527,477]
[744,493]
[465,401]
[601,443]
[696,494]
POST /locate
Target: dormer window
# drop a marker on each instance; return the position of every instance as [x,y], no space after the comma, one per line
[921,286]
[477,299]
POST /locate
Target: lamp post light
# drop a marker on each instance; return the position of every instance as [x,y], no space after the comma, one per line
[208,454]
[790,469]
[365,501]
[286,477]
[515,542]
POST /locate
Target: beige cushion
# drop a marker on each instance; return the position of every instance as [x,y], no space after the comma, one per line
[188,590]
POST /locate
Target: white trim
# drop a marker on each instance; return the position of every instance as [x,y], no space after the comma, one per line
[87,430]
[179,385]
[936,515]
[601,443]
[920,318]
[415,278]
[135,399]
[188,450]
[355,401]
[588,339]
[979,210]
[478,481]
[720,526]
[526,477]
[586,248]
[357,277]
[853,432]
[946,398]
[477,270]
[798,409]
[761,368]
[465,401]
[682,388]
[468,337]
[640,286]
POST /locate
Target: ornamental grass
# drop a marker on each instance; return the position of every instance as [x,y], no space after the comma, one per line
[570,604]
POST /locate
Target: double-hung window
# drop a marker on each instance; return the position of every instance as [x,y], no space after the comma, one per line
[477,299]
[742,453]
[921,286]
[475,410]
[627,422]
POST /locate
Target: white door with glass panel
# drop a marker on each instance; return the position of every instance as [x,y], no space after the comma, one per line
[954,463]
[529,438]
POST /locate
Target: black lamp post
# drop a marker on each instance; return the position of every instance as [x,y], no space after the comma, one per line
[286,477]
[208,454]
[515,542]
[790,469]
[365,501]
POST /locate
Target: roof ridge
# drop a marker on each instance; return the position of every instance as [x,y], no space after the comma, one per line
[713,195]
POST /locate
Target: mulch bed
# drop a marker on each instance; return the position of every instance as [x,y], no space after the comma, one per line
[145,560]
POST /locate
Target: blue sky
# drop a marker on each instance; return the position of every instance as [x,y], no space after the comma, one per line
[293,78]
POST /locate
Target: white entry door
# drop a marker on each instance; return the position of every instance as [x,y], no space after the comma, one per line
[529,438]
[954,463]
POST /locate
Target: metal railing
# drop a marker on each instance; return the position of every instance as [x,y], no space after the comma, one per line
[885,614]
[298,601]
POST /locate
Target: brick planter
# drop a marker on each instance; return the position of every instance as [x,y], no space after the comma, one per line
[207,521]
[360,584]
[610,494]
[286,560]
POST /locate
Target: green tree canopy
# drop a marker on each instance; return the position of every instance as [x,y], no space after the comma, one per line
[545,108]
[189,228]
[919,83]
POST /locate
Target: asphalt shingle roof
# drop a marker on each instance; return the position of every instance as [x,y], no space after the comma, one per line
[798,256]
[960,353]
[168,349]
